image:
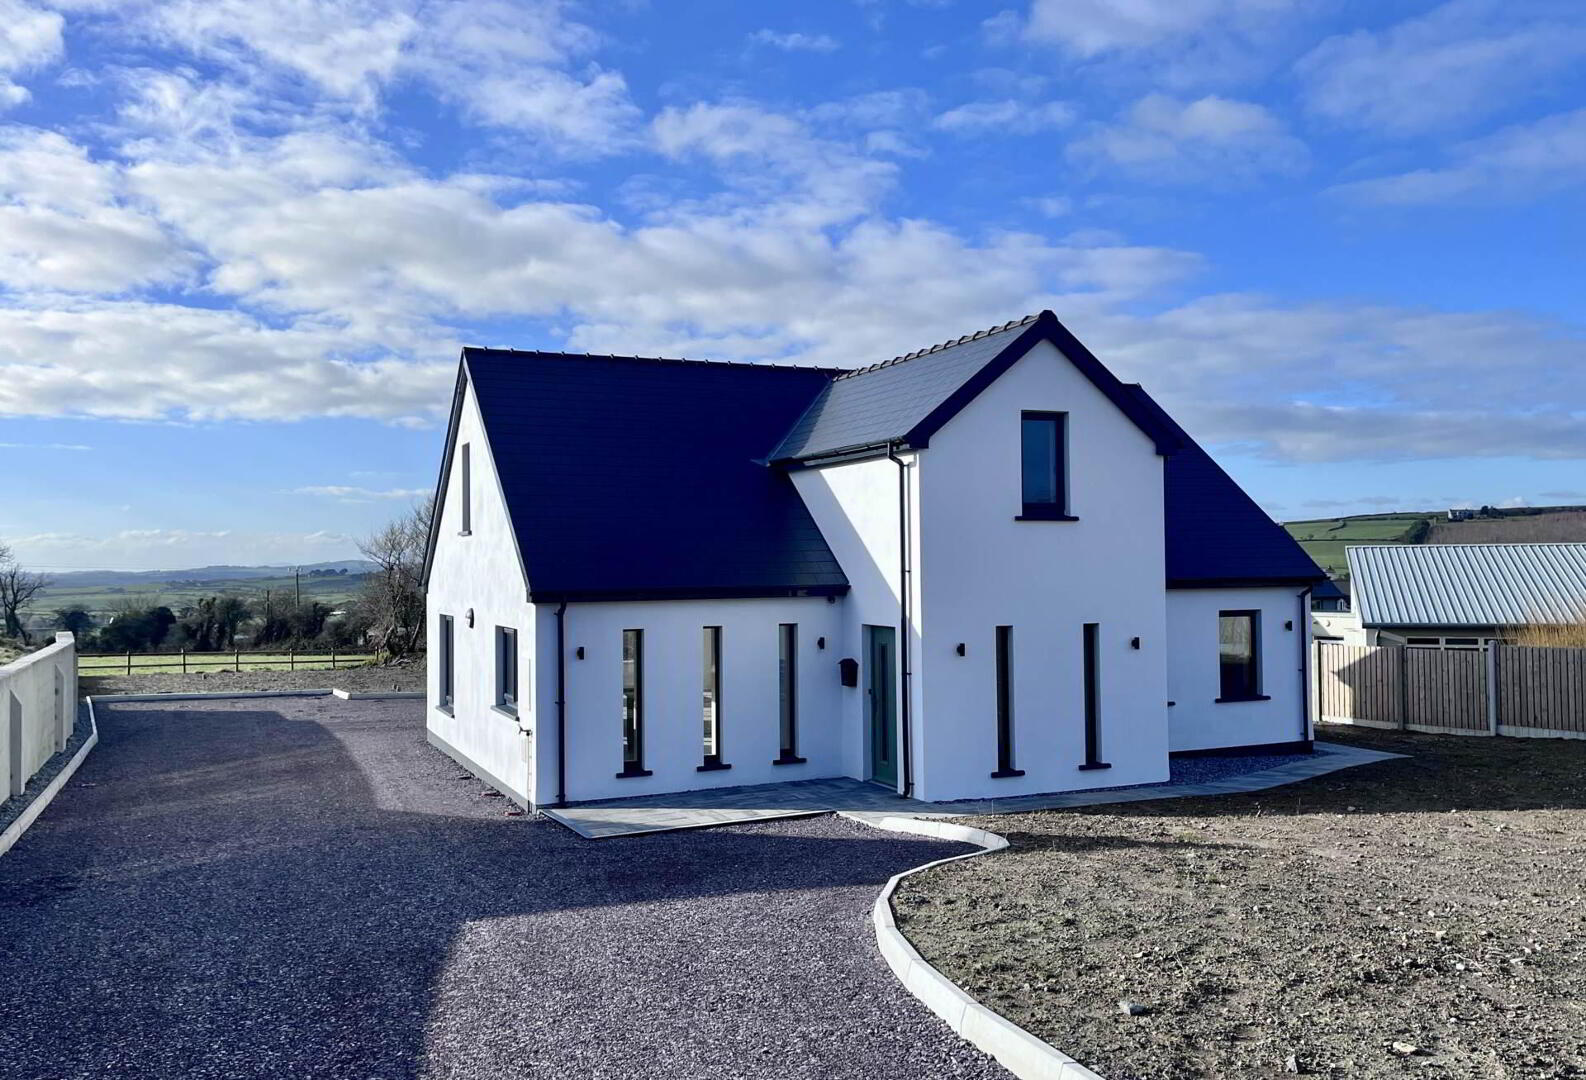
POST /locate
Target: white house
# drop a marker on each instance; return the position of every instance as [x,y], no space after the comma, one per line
[985,568]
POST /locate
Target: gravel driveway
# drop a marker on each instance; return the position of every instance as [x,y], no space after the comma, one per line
[301,887]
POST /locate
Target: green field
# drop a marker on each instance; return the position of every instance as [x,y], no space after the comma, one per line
[100,599]
[173,663]
[1324,539]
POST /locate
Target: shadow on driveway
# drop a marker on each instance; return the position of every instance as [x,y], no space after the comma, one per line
[310,890]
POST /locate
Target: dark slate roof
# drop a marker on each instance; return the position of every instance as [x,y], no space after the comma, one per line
[873,405]
[908,398]
[1216,534]
[632,478]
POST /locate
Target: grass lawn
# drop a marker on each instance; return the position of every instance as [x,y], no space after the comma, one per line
[171,663]
[1424,917]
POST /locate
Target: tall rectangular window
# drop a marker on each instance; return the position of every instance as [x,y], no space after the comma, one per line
[1044,465]
[1092,661]
[711,698]
[466,494]
[507,668]
[1004,660]
[1239,655]
[448,664]
[787,680]
[633,704]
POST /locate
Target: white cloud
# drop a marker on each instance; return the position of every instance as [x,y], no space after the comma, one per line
[1450,67]
[65,224]
[795,41]
[1517,162]
[43,446]
[30,37]
[1090,27]
[148,361]
[348,493]
[1006,117]
[1165,140]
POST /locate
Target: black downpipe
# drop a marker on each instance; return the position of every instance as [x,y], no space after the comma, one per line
[905,616]
[1304,627]
[561,704]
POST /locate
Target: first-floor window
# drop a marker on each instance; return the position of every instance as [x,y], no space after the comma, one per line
[507,668]
[633,703]
[1239,655]
[787,679]
[448,664]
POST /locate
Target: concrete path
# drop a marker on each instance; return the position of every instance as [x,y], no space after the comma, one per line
[768,802]
[301,887]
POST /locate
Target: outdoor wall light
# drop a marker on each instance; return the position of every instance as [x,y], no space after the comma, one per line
[1134,643]
[820,643]
[1289,625]
[579,652]
[961,650]
[470,618]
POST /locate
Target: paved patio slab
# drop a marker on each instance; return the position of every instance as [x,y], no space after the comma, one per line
[800,798]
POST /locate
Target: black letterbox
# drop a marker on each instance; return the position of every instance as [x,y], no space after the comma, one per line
[848,668]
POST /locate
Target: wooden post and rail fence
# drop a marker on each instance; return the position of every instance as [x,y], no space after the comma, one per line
[1499,689]
[130,663]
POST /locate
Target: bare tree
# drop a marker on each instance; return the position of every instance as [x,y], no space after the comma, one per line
[17,588]
[393,595]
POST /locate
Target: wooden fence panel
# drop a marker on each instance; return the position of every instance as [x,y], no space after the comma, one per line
[1540,691]
[1543,689]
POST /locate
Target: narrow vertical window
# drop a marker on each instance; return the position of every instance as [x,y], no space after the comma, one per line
[448,664]
[1239,655]
[1004,662]
[787,679]
[507,668]
[1043,462]
[633,704]
[1092,662]
[467,493]
[711,699]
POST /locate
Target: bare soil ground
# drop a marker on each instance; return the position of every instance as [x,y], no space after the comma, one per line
[392,677]
[1424,917]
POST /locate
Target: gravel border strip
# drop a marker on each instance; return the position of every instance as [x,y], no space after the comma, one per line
[13,832]
[1020,1052]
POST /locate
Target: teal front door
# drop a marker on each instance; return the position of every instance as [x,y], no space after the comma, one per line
[882,697]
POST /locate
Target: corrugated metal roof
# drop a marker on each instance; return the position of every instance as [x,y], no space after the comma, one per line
[1468,584]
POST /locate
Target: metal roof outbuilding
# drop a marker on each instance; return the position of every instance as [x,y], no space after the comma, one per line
[1485,585]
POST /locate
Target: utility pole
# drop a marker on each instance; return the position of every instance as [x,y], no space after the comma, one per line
[297,581]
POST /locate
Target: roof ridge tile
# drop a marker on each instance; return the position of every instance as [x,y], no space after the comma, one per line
[939,346]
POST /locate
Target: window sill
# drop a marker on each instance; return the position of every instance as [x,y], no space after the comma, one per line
[1029,515]
[1248,697]
[1090,766]
[465,532]
[505,710]
[789,759]
[631,772]
[1004,774]
[447,709]
[712,766]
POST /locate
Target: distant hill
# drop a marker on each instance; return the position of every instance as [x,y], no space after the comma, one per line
[1325,539]
[100,591]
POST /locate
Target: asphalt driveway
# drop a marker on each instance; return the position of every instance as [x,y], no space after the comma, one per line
[300,887]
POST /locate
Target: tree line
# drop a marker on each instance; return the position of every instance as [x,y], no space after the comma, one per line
[386,615]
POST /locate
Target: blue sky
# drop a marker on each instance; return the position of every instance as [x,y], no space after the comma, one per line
[242,240]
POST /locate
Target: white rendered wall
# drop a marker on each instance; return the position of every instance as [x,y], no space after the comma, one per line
[38,709]
[1197,720]
[981,569]
[674,692]
[481,571]
[1344,625]
[856,507]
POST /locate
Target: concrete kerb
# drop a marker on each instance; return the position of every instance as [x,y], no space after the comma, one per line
[111,699]
[14,831]
[377,695]
[1020,1052]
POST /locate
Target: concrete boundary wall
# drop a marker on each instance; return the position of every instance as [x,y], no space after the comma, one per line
[13,832]
[1020,1052]
[38,710]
